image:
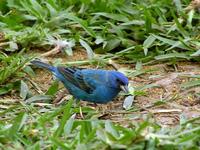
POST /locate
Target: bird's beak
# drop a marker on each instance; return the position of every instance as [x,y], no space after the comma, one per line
[124,88]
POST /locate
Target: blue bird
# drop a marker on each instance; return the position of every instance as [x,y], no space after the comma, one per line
[93,85]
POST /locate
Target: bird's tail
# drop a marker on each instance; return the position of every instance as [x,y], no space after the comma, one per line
[43,65]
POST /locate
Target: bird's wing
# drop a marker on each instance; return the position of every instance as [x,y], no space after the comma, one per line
[75,76]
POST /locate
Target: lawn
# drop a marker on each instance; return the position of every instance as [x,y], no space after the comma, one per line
[156,44]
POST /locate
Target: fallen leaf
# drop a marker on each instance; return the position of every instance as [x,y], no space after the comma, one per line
[128,102]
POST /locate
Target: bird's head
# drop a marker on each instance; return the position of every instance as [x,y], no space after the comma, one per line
[120,81]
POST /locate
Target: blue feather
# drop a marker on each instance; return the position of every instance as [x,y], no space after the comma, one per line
[93,85]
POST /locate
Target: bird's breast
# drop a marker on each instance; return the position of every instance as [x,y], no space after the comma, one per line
[104,94]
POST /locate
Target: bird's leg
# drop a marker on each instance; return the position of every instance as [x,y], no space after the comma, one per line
[102,109]
[95,105]
[76,103]
[104,113]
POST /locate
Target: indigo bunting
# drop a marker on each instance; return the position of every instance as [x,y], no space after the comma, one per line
[93,85]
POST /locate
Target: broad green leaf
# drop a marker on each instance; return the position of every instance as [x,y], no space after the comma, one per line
[197,53]
[53,88]
[88,48]
[190,16]
[109,127]
[35,146]
[82,23]
[187,138]
[38,9]
[68,51]
[184,42]
[99,40]
[23,140]
[142,127]
[191,84]
[112,44]
[162,16]
[26,5]
[69,124]
[138,65]
[23,90]
[7,88]
[29,17]
[147,86]
[170,42]
[117,30]
[101,135]
[179,26]
[17,124]
[59,144]
[12,47]
[81,147]
[65,117]
[117,17]
[172,55]
[29,71]
[36,98]
[52,10]
[133,22]
[178,4]
[148,43]
[148,20]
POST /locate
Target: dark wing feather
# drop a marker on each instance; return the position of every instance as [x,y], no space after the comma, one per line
[74,76]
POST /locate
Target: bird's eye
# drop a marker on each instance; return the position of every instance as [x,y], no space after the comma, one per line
[120,82]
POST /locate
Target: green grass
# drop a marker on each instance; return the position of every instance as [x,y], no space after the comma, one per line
[30,127]
[157,30]
[128,31]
